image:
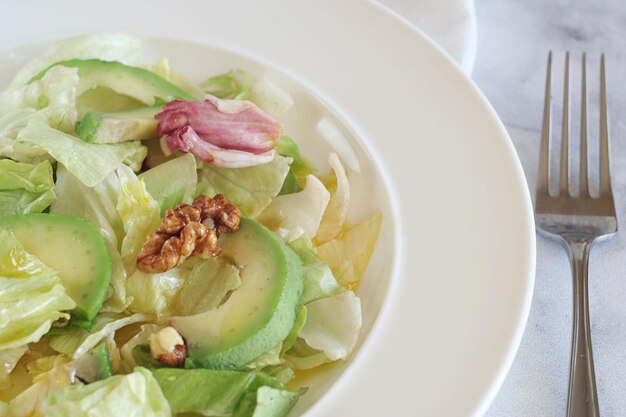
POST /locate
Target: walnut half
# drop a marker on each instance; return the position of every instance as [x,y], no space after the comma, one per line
[188,230]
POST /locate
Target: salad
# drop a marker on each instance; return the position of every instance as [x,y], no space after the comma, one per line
[165,249]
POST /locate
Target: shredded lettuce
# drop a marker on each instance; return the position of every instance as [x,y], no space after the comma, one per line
[89,162]
[140,214]
[235,84]
[303,356]
[172,182]
[33,402]
[97,205]
[105,46]
[162,69]
[31,295]
[337,210]
[333,325]
[25,188]
[270,97]
[153,293]
[142,338]
[54,95]
[349,254]
[294,215]
[137,394]
[317,278]
[269,358]
[208,283]
[225,393]
[251,189]
[8,361]
[269,402]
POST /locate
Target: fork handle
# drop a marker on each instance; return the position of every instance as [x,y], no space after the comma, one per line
[582,397]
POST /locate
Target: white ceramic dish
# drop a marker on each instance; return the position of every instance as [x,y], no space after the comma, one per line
[447,294]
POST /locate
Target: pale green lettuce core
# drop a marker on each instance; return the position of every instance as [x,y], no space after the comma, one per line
[137,394]
[105,46]
[89,162]
[225,393]
[140,214]
[25,188]
[251,189]
[31,295]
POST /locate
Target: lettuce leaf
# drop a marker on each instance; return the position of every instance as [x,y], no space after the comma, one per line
[224,393]
[137,394]
[337,210]
[31,295]
[33,402]
[25,188]
[208,283]
[162,69]
[154,293]
[105,46]
[317,277]
[269,358]
[172,182]
[349,254]
[333,325]
[142,338]
[97,205]
[54,95]
[251,189]
[8,361]
[234,84]
[294,215]
[89,162]
[303,356]
[270,97]
[139,212]
[269,402]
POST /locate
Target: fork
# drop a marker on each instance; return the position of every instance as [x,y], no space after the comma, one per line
[578,220]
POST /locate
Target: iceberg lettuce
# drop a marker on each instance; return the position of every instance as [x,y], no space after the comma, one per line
[105,46]
[349,255]
[31,295]
[172,182]
[54,95]
[317,278]
[333,325]
[140,214]
[225,393]
[206,286]
[294,215]
[25,188]
[154,293]
[251,189]
[97,205]
[234,84]
[89,162]
[337,210]
[137,394]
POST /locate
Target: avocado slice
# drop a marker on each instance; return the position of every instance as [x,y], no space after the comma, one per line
[94,365]
[72,247]
[114,127]
[259,314]
[138,83]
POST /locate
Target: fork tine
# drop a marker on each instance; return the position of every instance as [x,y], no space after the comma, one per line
[605,173]
[584,175]
[564,172]
[544,153]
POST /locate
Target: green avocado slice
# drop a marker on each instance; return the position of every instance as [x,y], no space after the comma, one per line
[114,127]
[259,314]
[138,83]
[72,247]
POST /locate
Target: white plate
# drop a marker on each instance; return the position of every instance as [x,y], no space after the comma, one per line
[447,296]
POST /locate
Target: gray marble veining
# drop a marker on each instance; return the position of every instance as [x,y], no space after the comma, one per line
[514,37]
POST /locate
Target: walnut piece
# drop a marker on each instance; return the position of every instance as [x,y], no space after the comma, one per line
[188,230]
[168,347]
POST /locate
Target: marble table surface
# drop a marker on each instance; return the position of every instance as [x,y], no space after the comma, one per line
[514,37]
